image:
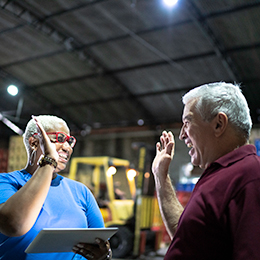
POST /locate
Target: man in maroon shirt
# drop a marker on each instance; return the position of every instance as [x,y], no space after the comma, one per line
[221,219]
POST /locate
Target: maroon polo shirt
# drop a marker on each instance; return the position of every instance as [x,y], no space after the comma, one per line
[222,218]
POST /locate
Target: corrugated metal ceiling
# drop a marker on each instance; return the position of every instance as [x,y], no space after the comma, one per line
[108,63]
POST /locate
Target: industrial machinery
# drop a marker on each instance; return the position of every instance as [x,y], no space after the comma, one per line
[99,175]
[118,191]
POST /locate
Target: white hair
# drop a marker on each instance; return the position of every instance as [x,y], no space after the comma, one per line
[48,122]
[222,97]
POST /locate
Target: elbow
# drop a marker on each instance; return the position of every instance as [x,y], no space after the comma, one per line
[12,231]
[171,230]
[11,228]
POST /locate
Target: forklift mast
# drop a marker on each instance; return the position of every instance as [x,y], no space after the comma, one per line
[135,214]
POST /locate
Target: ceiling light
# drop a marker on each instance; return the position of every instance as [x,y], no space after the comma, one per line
[12,90]
[170,2]
[140,122]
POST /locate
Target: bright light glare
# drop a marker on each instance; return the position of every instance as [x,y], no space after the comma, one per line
[147,175]
[170,2]
[131,174]
[12,90]
[140,122]
[111,171]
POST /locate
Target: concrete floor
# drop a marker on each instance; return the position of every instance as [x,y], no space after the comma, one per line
[159,255]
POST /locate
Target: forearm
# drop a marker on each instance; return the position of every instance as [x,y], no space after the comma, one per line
[19,213]
[169,205]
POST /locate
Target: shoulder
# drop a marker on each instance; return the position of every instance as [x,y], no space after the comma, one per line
[246,169]
[242,163]
[12,182]
[12,176]
[80,191]
[72,182]
[232,171]
[76,185]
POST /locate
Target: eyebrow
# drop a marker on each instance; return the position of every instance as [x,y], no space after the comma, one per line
[187,117]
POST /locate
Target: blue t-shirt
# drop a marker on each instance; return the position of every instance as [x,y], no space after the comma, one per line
[69,204]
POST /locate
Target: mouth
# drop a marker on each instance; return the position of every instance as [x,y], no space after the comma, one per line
[189,145]
[63,157]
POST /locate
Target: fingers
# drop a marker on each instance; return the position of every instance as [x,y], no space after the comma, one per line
[170,149]
[165,139]
[162,140]
[103,244]
[84,250]
[99,251]
[46,146]
[40,134]
[80,249]
[158,147]
[170,136]
[39,127]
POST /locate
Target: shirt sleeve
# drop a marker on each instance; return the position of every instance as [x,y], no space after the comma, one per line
[8,187]
[244,211]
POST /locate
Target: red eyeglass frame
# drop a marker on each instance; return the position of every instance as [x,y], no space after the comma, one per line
[66,140]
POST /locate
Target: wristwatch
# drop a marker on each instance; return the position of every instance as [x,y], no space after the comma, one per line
[44,159]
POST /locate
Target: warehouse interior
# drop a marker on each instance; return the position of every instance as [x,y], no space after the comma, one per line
[116,70]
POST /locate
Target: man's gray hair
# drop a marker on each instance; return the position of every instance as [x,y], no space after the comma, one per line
[48,122]
[222,97]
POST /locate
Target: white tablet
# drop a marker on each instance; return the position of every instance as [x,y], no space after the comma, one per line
[63,239]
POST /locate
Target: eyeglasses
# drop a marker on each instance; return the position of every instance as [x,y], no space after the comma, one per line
[60,137]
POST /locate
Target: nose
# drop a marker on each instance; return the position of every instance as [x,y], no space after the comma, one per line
[66,145]
[182,134]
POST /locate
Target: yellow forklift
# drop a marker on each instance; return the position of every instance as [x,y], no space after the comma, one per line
[118,191]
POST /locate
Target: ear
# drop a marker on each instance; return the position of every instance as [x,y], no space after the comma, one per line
[220,124]
[33,142]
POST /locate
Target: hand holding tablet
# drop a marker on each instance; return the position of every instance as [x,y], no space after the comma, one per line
[51,240]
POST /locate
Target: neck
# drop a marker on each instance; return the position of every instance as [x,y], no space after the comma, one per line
[223,144]
[230,143]
[31,169]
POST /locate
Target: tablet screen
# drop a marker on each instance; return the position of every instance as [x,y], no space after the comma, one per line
[63,239]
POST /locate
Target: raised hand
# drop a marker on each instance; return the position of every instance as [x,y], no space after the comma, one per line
[164,153]
[47,147]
